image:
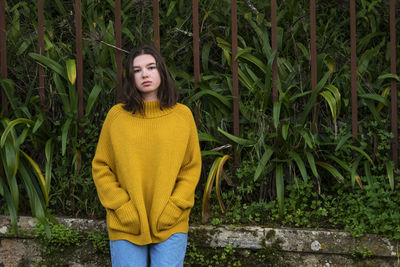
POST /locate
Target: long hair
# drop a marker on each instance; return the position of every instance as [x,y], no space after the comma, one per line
[167,92]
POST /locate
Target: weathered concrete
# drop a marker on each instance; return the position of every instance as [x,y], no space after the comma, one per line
[299,240]
[300,247]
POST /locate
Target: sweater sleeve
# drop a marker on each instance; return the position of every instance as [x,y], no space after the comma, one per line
[110,193]
[189,174]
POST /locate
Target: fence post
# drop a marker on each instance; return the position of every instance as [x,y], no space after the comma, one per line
[79,60]
[196,53]
[118,52]
[3,54]
[274,45]
[313,60]
[41,51]
[353,62]
[395,140]
[156,22]
[235,79]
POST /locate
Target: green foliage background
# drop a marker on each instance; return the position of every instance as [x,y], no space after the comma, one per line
[46,159]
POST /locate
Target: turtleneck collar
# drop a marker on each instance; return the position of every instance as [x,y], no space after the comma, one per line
[152,109]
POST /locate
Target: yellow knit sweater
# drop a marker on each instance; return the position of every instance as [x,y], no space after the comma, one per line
[146,169]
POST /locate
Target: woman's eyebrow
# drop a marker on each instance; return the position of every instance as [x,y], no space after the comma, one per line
[149,64]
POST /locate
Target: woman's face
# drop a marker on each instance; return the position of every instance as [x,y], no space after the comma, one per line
[147,77]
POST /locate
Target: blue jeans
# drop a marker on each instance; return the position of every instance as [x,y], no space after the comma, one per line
[170,252]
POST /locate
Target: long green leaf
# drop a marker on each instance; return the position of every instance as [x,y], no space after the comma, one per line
[8,89]
[71,70]
[64,135]
[224,100]
[255,61]
[331,101]
[368,174]
[285,130]
[307,138]
[361,151]
[354,175]
[389,76]
[280,187]
[341,163]
[335,173]
[49,147]
[92,98]
[48,62]
[276,113]
[39,175]
[62,93]
[11,126]
[343,140]
[218,177]
[39,121]
[311,101]
[205,137]
[390,173]
[205,204]
[35,194]
[300,164]
[263,162]
[238,140]
[10,206]
[311,162]
[375,97]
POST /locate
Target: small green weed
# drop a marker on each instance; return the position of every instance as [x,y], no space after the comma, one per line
[362,252]
[100,241]
[56,237]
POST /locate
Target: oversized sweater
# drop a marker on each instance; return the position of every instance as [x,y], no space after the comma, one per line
[146,169]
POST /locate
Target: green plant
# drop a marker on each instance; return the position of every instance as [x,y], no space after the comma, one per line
[20,167]
[216,173]
[226,256]
[56,237]
[281,152]
[362,252]
[100,241]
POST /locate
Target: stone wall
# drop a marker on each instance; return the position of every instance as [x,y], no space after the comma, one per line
[297,247]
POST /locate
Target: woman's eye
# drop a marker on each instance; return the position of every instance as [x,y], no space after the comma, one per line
[152,67]
[136,71]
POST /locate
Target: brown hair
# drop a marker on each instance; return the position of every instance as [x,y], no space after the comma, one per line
[167,92]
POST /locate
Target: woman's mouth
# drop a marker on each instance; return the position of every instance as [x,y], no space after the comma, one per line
[147,83]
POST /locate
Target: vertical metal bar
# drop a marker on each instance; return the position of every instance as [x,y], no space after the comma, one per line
[353,59]
[313,45]
[118,53]
[156,22]
[395,141]
[79,60]
[274,45]
[196,53]
[41,51]
[313,58]
[196,42]
[235,79]
[3,54]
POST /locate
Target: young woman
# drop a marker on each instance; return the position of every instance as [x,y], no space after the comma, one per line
[146,167]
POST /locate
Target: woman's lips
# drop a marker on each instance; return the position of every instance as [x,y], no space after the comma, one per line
[146,83]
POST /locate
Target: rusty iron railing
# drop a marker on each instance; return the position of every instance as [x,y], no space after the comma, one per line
[196,57]
[118,53]
[79,59]
[395,140]
[353,63]
[41,51]
[235,77]
[3,53]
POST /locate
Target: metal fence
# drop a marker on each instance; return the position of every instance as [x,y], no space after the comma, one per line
[196,56]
